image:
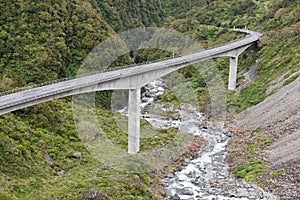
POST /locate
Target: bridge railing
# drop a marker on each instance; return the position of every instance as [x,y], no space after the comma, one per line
[114,69]
[221,45]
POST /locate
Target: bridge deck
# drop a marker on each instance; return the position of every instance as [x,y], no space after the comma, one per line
[66,86]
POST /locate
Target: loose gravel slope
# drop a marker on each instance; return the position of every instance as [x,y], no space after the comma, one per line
[278,117]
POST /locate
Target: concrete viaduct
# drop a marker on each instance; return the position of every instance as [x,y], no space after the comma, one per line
[132,78]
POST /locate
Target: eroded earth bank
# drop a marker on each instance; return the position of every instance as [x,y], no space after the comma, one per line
[266,143]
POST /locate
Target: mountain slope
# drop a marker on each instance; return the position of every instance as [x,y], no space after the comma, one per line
[270,132]
[124,15]
[46,40]
[41,155]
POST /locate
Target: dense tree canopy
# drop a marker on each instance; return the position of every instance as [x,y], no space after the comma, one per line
[46,40]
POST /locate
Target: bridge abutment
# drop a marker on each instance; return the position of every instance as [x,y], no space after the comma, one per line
[134,120]
[232,73]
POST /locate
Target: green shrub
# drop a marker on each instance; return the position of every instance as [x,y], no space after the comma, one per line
[250,169]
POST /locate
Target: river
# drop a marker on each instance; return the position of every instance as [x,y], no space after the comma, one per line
[205,177]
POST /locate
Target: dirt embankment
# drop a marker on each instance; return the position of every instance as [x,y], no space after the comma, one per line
[279,118]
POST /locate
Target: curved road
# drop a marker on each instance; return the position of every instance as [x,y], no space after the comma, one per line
[78,85]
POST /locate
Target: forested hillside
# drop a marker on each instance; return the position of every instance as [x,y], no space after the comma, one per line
[279,21]
[48,40]
[124,15]
[42,41]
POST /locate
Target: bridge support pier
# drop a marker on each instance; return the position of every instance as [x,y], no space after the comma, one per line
[232,73]
[134,120]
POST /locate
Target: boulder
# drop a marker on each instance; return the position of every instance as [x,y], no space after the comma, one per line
[188,191]
[77,155]
[60,173]
[175,197]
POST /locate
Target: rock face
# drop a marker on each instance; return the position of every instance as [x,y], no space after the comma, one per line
[277,117]
[93,194]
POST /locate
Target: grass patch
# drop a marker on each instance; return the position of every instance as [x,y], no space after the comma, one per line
[117,184]
[265,140]
[255,131]
[250,169]
[251,148]
[290,80]
[277,173]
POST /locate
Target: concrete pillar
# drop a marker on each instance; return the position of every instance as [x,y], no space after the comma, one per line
[134,120]
[232,73]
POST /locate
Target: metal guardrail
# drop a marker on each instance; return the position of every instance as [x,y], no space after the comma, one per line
[123,67]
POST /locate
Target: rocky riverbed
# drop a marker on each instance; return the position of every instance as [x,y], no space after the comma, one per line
[205,177]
